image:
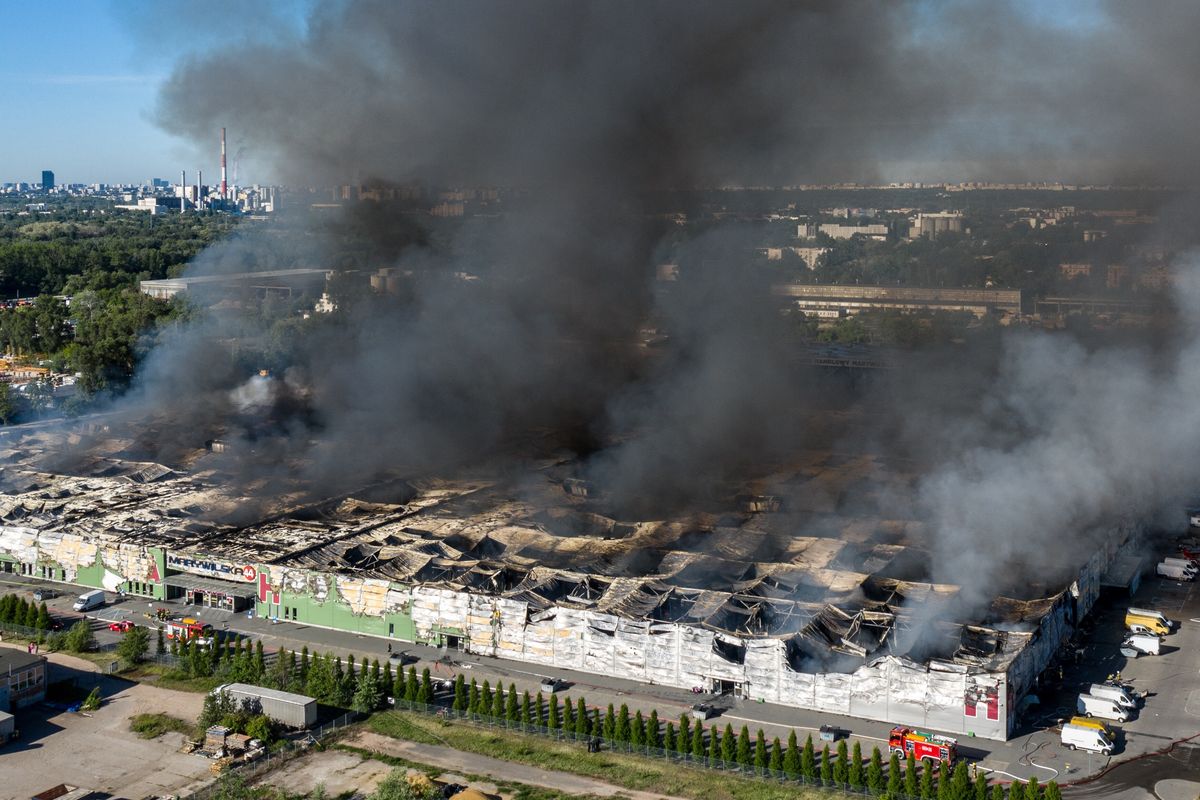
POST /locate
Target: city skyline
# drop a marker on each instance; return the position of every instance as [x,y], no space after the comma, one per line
[81,83]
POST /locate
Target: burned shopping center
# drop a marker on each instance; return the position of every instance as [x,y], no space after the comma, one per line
[784,597]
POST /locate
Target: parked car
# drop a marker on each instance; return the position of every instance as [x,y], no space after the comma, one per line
[1086,738]
[44,594]
[121,626]
[1102,707]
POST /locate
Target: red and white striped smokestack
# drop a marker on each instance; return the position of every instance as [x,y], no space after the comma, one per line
[224,186]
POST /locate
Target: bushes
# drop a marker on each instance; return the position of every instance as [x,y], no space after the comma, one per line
[79,638]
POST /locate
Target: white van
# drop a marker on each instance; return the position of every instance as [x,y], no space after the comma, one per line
[89,600]
[1143,643]
[1100,707]
[1186,563]
[1114,693]
[1175,573]
[1083,738]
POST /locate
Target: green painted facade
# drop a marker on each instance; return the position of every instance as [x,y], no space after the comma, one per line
[334,613]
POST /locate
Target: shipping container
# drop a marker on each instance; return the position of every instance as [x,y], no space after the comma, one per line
[293,710]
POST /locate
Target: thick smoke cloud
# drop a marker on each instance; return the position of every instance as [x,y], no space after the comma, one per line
[589,106]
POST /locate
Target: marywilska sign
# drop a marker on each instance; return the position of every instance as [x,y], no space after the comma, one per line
[212,569]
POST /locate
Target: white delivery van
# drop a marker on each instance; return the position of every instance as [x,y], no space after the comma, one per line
[1158,615]
[1114,693]
[1175,573]
[1100,707]
[1084,738]
[89,600]
[1186,563]
[1143,643]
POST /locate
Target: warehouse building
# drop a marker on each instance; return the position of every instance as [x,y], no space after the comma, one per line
[784,599]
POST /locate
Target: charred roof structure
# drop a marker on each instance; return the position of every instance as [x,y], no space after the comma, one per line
[785,598]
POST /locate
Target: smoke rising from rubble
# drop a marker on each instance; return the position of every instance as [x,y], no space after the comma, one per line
[588,106]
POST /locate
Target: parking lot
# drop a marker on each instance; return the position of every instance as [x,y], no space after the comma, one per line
[97,750]
[1171,713]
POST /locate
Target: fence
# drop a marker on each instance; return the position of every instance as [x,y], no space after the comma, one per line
[248,770]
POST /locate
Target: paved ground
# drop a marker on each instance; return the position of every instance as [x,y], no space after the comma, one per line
[458,761]
[1172,714]
[99,751]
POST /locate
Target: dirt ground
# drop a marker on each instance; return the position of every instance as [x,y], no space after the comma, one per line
[337,770]
[97,750]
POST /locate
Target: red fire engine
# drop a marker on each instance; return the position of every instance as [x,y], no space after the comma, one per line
[187,628]
[924,746]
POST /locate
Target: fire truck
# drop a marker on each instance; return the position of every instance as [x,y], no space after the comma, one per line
[924,746]
[187,629]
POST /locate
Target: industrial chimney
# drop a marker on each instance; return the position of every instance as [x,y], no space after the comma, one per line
[199,188]
[182,191]
[224,186]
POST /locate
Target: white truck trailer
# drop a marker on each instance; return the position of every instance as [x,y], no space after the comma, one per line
[292,710]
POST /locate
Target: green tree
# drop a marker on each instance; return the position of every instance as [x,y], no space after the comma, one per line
[260,727]
[743,754]
[485,698]
[460,694]
[826,767]
[875,772]
[791,758]
[942,781]
[776,762]
[581,718]
[960,783]
[80,638]
[997,792]
[910,775]
[808,757]
[133,646]
[499,707]
[981,786]
[526,709]
[653,739]
[621,731]
[1032,790]
[512,708]
[1016,791]
[637,730]
[728,745]
[322,683]
[683,741]
[854,775]
[8,404]
[1052,792]
[412,686]
[43,618]
[841,764]
[568,714]
[93,700]
[698,741]
[927,792]
[473,697]
[425,692]
[216,707]
[714,745]
[760,751]
[894,777]
[367,693]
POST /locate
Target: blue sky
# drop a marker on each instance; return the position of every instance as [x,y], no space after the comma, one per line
[79,81]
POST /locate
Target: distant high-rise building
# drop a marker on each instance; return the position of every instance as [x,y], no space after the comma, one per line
[47,180]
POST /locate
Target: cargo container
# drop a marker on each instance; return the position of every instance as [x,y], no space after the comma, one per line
[293,710]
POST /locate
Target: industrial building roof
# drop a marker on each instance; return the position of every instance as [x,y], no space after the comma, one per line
[801,567]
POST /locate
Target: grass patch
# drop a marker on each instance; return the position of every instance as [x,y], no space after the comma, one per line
[621,769]
[517,791]
[170,678]
[151,726]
